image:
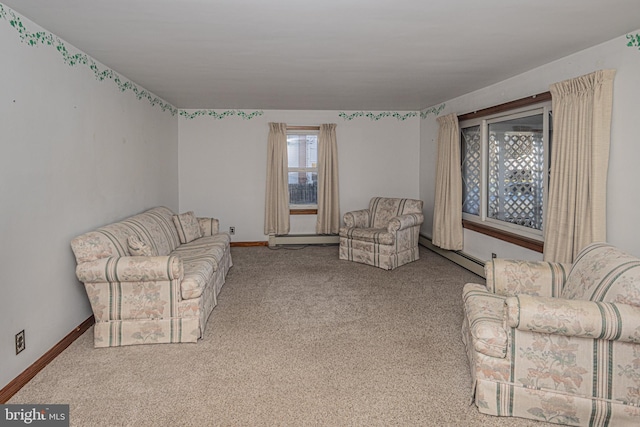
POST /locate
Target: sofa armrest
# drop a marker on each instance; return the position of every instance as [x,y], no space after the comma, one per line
[514,277]
[405,221]
[358,219]
[209,226]
[131,269]
[578,318]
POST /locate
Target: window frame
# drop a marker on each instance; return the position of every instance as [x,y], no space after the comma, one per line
[303,209]
[503,230]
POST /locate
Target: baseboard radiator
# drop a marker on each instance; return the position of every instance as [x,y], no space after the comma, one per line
[304,239]
[472,264]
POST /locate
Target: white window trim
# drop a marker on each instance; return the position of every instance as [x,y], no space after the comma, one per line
[483,122]
[302,132]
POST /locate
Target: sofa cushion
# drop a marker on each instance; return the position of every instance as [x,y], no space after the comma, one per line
[208,226]
[374,235]
[137,247]
[200,259]
[604,273]
[485,313]
[155,225]
[187,226]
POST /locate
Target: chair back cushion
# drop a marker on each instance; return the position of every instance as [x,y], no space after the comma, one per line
[604,273]
[383,209]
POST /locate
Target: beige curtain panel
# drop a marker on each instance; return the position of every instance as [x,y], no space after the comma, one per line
[276,207]
[576,207]
[328,221]
[447,212]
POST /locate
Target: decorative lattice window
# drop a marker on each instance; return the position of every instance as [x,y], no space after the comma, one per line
[471,169]
[505,169]
[516,178]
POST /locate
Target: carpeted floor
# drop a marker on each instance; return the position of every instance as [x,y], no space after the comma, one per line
[298,338]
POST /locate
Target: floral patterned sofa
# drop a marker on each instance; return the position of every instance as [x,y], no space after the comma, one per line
[153,277]
[385,235]
[556,342]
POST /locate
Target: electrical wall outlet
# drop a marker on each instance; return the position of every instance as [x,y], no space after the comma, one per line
[232,230]
[20,343]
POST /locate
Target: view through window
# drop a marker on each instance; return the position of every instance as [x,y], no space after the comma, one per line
[302,153]
[505,169]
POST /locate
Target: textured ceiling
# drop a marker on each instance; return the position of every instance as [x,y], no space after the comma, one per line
[327,54]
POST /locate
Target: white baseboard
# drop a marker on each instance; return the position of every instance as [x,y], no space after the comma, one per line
[472,264]
[304,239]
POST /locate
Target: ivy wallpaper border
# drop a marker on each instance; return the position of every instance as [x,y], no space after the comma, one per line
[220,116]
[396,115]
[376,117]
[634,40]
[34,39]
[433,110]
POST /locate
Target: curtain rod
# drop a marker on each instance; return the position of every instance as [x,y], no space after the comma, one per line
[303,127]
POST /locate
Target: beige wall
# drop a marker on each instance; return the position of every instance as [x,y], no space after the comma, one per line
[223,165]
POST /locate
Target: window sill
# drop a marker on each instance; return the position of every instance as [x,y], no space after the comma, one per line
[506,236]
[303,211]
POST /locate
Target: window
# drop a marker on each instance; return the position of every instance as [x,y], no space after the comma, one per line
[505,169]
[302,153]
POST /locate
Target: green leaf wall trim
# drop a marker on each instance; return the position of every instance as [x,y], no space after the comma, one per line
[634,40]
[399,116]
[220,116]
[377,117]
[48,39]
[433,110]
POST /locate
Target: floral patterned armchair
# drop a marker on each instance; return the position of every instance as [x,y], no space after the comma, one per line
[556,342]
[385,235]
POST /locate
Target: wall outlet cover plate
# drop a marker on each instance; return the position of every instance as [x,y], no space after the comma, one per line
[20,343]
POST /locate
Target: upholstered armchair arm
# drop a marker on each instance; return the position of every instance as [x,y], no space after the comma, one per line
[515,277]
[404,221]
[358,219]
[209,226]
[130,269]
[579,318]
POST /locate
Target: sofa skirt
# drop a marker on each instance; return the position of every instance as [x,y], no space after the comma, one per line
[153,331]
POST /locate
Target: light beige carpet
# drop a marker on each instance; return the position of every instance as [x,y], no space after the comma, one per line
[298,338]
